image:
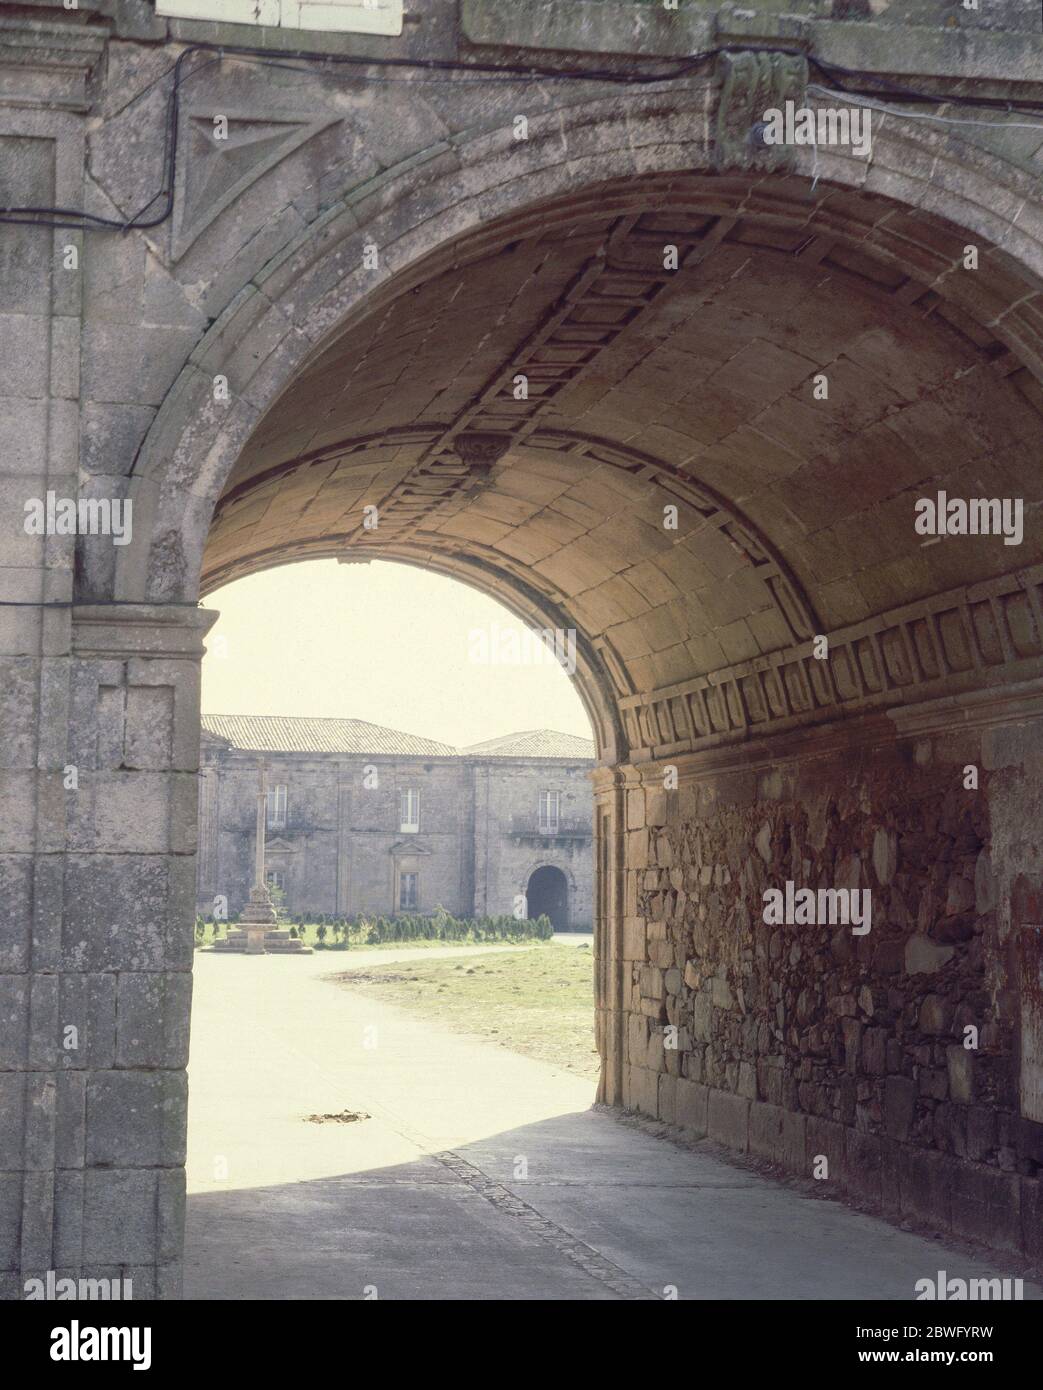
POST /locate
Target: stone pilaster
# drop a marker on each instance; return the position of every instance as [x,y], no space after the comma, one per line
[99,982]
[609,906]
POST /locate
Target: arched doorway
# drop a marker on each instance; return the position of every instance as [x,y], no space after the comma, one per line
[548,894]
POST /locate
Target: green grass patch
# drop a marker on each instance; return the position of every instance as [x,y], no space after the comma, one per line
[421,944]
[539,1002]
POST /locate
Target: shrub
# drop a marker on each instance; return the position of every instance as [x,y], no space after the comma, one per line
[443,926]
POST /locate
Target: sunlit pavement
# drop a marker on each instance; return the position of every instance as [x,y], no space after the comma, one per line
[479,1174]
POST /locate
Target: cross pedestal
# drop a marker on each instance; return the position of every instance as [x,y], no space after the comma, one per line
[257,919]
[258,932]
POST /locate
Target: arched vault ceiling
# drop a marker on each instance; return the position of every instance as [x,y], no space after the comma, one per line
[651,387]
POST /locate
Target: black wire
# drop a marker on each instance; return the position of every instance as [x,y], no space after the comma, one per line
[831,70]
[265,57]
[91,221]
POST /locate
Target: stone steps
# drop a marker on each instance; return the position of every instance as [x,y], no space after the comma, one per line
[277,941]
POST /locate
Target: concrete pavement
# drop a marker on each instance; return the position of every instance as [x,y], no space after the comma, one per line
[480,1174]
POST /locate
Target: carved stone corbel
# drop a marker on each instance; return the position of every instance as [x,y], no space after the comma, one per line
[753,82]
[481,452]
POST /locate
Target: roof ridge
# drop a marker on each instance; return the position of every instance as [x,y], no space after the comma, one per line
[327,733]
[534,743]
[332,733]
[339,718]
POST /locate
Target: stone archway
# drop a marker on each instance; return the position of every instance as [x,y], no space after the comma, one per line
[729,755]
[294,311]
[700,642]
[692,642]
[547,894]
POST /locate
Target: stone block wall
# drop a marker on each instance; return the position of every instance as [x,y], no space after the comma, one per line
[796,1042]
[507,849]
[335,852]
[96,952]
[476,849]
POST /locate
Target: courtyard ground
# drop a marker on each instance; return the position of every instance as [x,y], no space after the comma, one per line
[479,1173]
[536,1002]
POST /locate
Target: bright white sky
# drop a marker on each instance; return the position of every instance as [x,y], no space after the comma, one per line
[388,643]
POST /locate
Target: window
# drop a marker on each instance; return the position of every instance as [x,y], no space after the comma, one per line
[276,817]
[407,892]
[549,815]
[276,879]
[335,16]
[408,811]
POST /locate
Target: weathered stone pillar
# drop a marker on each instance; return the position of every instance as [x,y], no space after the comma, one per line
[99,843]
[209,812]
[610,857]
[344,839]
[481,841]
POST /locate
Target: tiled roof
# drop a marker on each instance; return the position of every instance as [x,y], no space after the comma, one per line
[272,733]
[534,743]
[275,733]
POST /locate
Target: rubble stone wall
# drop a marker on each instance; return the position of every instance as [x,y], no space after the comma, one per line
[796,1042]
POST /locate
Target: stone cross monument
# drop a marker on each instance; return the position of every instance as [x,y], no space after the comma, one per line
[258,933]
[259,916]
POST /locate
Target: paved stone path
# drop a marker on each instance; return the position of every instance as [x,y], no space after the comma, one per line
[481,1174]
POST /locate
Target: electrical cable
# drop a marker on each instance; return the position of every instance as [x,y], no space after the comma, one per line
[928,115]
[505,74]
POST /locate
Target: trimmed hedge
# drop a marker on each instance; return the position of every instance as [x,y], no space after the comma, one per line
[443,926]
[337,933]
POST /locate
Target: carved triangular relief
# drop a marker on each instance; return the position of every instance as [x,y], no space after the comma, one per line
[220,153]
[404,848]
